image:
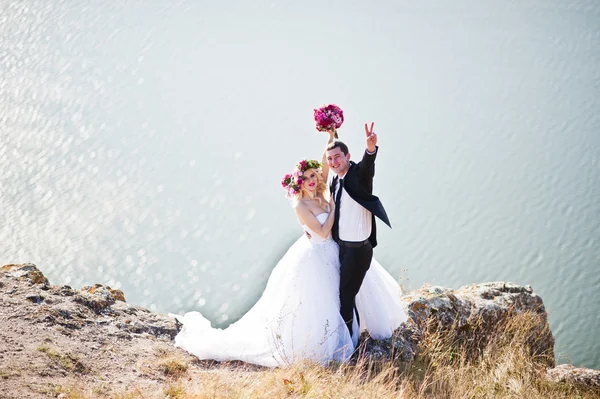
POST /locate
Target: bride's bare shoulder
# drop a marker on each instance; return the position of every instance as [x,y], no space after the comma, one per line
[299,204]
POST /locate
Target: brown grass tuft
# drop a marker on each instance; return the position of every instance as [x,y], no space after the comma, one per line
[68,361]
[453,362]
[173,368]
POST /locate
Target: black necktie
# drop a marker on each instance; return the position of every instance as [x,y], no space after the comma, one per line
[338,195]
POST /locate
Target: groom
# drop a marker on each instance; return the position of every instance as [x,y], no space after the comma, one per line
[355,211]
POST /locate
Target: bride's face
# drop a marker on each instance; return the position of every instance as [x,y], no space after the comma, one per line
[310,180]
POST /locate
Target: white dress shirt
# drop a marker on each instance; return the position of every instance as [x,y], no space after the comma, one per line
[355,220]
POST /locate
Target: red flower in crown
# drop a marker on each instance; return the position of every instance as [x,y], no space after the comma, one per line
[292,183]
[286,180]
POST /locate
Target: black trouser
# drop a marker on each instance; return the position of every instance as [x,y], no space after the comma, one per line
[355,261]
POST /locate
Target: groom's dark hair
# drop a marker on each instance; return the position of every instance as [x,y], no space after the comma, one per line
[338,144]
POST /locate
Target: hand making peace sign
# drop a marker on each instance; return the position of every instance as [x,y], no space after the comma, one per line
[371,138]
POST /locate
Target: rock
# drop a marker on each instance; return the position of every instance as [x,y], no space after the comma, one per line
[477,310]
[35,298]
[97,302]
[117,295]
[99,298]
[26,271]
[138,320]
[74,310]
[99,317]
[65,290]
[67,316]
[402,346]
[579,376]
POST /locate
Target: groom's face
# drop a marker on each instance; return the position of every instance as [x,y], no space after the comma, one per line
[337,161]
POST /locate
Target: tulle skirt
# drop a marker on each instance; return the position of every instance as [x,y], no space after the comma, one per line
[297,316]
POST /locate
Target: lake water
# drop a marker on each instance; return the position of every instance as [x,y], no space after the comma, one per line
[143,142]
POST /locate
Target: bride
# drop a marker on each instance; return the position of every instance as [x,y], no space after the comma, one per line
[298,315]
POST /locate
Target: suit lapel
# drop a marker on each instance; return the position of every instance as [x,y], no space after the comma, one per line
[367,201]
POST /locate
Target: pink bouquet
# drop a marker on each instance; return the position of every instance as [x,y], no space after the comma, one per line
[328,118]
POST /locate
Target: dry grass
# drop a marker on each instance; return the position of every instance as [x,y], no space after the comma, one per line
[450,365]
[169,365]
[173,368]
[68,361]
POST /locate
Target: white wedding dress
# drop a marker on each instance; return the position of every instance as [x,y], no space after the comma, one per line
[298,315]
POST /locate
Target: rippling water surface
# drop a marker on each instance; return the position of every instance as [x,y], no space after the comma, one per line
[142,143]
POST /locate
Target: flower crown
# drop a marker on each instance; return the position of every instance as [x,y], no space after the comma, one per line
[292,183]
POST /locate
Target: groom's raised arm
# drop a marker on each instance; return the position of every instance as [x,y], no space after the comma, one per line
[367,165]
[324,165]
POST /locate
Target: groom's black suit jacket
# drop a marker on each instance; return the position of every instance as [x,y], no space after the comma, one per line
[358,183]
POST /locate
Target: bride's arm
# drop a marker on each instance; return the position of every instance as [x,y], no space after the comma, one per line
[306,217]
[325,168]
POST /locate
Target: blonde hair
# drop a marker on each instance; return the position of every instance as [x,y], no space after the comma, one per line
[321,186]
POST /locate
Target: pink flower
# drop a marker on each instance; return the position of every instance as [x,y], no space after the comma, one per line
[329,117]
[286,180]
